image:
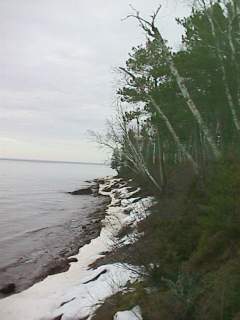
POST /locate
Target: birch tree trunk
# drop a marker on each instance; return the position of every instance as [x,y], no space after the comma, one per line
[236,5]
[137,158]
[173,133]
[236,17]
[153,32]
[161,163]
[185,93]
[166,121]
[223,71]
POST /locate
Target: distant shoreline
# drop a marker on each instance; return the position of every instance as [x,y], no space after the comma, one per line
[54,161]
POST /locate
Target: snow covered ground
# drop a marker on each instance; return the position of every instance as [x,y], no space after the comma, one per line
[78,292]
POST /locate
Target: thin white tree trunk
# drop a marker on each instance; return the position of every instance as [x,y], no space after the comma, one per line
[236,16]
[185,93]
[173,132]
[153,31]
[223,71]
[161,167]
[167,122]
[142,164]
[138,160]
[236,5]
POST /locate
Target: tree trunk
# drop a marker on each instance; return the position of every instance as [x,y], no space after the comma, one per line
[173,133]
[223,71]
[184,91]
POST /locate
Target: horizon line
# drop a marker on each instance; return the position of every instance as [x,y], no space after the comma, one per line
[54,161]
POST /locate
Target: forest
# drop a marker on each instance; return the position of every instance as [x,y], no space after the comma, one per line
[180,106]
[177,134]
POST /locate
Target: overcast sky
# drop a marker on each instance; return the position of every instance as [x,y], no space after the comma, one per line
[56,62]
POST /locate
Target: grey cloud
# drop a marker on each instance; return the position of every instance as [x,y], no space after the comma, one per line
[56,62]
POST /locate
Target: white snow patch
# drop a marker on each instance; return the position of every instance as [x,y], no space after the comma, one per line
[134,314]
[83,299]
[130,238]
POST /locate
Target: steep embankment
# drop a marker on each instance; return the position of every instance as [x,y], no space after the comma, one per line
[190,251]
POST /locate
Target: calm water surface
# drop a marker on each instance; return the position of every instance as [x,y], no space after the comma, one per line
[37,218]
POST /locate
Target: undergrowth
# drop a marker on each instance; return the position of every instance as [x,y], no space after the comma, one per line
[192,257]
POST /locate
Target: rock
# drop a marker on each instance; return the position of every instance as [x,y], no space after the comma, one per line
[137,193]
[136,199]
[97,276]
[72,260]
[127,210]
[131,189]
[117,194]
[96,221]
[100,181]
[58,266]
[95,191]
[83,191]
[107,189]
[117,203]
[66,302]
[8,288]
[58,317]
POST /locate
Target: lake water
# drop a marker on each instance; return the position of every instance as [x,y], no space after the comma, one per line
[38,219]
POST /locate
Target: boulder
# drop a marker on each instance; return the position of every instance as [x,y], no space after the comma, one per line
[72,260]
[107,189]
[99,181]
[58,317]
[8,288]
[83,191]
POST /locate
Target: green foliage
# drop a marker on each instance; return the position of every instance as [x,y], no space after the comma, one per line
[209,64]
[191,250]
[185,290]
[219,209]
[116,160]
[221,298]
[191,244]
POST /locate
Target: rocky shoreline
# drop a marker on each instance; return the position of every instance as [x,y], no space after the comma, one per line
[60,263]
[77,293]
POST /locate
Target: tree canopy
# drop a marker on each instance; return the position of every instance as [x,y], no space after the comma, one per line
[180,106]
